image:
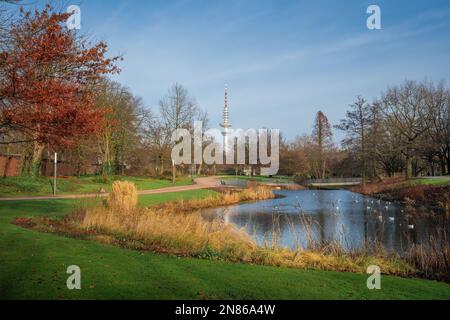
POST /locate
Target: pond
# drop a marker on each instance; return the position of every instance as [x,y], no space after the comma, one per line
[296,218]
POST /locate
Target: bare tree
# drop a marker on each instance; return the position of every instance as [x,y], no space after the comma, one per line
[177,109]
[405,110]
[384,149]
[157,140]
[120,134]
[356,125]
[323,137]
[438,140]
[294,157]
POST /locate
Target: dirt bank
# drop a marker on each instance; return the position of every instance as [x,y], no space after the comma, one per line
[398,189]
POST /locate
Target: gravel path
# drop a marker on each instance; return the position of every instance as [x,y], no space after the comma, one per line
[199,183]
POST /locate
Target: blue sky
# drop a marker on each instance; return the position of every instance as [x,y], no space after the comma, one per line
[283,60]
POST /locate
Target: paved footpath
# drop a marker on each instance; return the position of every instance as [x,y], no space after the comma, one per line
[199,183]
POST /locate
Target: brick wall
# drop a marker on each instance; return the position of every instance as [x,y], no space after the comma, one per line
[66,169]
[9,166]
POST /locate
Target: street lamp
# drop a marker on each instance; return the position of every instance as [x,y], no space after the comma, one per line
[54,173]
[173,171]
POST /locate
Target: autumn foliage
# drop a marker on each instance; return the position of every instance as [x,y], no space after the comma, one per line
[47,78]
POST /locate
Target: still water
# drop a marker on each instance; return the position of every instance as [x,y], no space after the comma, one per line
[325,216]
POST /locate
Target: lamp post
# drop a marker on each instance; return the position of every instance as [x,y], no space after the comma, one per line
[193,170]
[173,171]
[54,173]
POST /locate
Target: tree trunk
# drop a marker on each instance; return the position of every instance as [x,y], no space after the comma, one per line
[363,151]
[106,153]
[442,165]
[200,167]
[448,159]
[322,163]
[408,166]
[363,167]
[35,169]
[161,165]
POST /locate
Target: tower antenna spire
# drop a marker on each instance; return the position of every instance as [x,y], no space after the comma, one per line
[226,115]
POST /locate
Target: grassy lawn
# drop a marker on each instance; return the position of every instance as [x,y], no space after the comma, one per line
[23,186]
[33,266]
[149,200]
[430,182]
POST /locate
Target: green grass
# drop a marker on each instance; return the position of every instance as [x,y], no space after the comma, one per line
[24,186]
[430,182]
[149,200]
[33,266]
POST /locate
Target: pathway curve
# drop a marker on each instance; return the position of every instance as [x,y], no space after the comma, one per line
[199,183]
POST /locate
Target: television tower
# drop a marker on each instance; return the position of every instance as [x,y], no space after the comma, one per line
[226,125]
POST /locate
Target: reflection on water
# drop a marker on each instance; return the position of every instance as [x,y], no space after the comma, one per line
[330,215]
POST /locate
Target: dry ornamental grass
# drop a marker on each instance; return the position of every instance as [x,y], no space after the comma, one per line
[178,228]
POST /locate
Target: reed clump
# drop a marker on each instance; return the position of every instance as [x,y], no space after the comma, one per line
[432,260]
[163,231]
[123,198]
[175,227]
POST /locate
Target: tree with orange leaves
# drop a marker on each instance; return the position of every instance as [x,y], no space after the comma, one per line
[47,77]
